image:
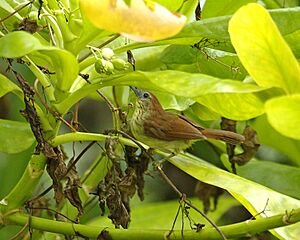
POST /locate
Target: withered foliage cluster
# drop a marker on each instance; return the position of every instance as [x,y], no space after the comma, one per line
[56,166]
[114,191]
[205,192]
[249,146]
[118,186]
[59,171]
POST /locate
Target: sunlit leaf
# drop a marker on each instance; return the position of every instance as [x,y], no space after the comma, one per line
[235,106]
[169,101]
[15,136]
[141,20]
[262,49]
[229,98]
[284,115]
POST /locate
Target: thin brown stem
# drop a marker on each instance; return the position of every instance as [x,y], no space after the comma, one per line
[75,121]
[78,158]
[184,199]
[19,234]
[174,222]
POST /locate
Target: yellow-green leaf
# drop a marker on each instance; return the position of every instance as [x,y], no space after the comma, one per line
[284,115]
[140,20]
[262,49]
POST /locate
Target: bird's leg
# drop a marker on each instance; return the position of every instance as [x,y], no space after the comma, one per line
[161,161]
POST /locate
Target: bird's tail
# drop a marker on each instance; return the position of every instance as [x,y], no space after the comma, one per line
[226,136]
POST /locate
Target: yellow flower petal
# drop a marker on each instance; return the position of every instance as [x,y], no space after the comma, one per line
[138,21]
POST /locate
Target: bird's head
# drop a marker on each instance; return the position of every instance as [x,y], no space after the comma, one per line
[146,100]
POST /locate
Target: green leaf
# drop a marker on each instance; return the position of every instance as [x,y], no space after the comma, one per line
[17,44]
[61,61]
[284,115]
[235,106]
[15,136]
[204,60]
[169,101]
[240,98]
[229,98]
[252,195]
[262,49]
[214,8]
[183,84]
[281,178]
[7,86]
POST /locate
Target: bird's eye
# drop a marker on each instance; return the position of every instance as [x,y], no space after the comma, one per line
[146,95]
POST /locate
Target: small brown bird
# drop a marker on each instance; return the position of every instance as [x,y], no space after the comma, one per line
[170,132]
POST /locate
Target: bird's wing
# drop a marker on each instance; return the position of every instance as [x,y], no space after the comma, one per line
[170,126]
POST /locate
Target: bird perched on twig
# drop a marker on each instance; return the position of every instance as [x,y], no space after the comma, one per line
[170,132]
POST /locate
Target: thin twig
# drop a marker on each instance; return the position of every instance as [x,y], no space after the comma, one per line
[13,13]
[78,158]
[174,222]
[183,197]
[19,234]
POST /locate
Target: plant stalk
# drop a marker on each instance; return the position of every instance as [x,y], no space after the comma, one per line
[246,228]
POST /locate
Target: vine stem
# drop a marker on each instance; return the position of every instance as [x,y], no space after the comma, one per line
[82,136]
[246,228]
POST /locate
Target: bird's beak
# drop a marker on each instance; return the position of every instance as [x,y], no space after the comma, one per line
[137,91]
